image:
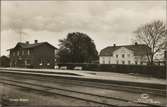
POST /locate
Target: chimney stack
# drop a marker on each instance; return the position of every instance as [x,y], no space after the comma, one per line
[114,45]
[27,42]
[36,41]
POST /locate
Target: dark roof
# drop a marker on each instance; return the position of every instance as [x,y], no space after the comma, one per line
[27,45]
[139,49]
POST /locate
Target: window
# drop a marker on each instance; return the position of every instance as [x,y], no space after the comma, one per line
[123,55]
[116,56]
[27,62]
[123,62]
[22,52]
[13,53]
[17,53]
[141,63]
[28,52]
[117,62]
[111,54]
[136,62]
[129,62]
[109,62]
[103,60]
[128,55]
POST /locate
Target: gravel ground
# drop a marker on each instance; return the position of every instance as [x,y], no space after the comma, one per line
[104,75]
[65,101]
[16,96]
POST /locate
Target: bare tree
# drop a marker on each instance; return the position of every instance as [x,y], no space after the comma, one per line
[154,36]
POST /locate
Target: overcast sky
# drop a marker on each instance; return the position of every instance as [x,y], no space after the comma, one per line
[106,22]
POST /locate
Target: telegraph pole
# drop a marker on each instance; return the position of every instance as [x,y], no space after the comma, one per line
[20,36]
[0,38]
[21,33]
[0,49]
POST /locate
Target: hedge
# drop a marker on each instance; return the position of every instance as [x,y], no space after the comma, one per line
[151,70]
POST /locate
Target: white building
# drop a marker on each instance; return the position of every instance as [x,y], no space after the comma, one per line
[160,58]
[125,54]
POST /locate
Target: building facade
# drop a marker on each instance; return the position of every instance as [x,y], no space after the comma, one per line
[36,55]
[126,54]
[160,58]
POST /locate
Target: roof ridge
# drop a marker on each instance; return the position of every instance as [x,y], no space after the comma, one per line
[138,49]
[127,45]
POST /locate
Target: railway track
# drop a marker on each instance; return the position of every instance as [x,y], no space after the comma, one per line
[103,100]
[102,85]
[89,97]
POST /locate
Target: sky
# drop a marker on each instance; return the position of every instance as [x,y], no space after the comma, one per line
[106,22]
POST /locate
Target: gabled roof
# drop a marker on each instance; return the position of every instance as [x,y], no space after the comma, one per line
[26,45]
[139,49]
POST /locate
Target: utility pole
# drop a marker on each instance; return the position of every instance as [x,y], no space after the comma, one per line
[21,34]
[0,49]
[0,40]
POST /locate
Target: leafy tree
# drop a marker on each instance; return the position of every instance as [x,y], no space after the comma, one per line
[4,61]
[77,48]
[154,36]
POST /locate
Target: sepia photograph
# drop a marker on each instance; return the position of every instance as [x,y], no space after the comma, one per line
[83,53]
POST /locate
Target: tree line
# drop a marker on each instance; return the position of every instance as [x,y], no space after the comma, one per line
[78,47]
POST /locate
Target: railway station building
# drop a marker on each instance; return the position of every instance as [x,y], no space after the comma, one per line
[35,55]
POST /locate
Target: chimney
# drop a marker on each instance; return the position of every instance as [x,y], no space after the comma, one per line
[136,43]
[27,42]
[36,41]
[114,45]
